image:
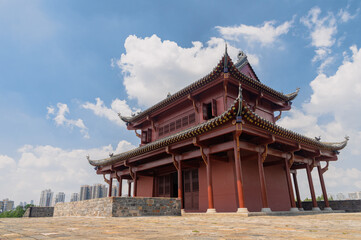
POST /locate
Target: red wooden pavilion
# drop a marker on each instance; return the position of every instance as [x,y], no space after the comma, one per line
[215,145]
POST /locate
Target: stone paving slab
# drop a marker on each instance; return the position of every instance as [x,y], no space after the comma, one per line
[222,226]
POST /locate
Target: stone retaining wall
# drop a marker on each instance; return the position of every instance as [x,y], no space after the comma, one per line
[120,207]
[39,212]
[347,205]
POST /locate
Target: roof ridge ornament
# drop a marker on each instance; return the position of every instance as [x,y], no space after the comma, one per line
[240,100]
[225,66]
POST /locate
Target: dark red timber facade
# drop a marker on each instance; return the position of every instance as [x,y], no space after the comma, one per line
[215,145]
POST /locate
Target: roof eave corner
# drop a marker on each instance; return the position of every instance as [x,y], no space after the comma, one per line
[292,96]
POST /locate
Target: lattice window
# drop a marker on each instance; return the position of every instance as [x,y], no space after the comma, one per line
[171,126]
[192,118]
[178,124]
[184,121]
[166,129]
[160,131]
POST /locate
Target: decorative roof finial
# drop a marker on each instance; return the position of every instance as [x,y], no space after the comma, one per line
[240,101]
[225,68]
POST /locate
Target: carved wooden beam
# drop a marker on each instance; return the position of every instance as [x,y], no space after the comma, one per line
[175,163]
[105,179]
[278,117]
[264,153]
[197,144]
[131,173]
[324,169]
[190,97]
[137,134]
[291,160]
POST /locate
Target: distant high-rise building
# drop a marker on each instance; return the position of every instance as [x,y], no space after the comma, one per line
[85,192]
[7,205]
[46,198]
[74,197]
[32,202]
[1,206]
[115,190]
[354,195]
[340,196]
[60,197]
[98,191]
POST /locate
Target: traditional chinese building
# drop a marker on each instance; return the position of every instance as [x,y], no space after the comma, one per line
[215,145]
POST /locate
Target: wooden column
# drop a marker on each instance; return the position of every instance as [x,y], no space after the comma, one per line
[265,207]
[110,185]
[180,183]
[312,189]
[209,185]
[290,189]
[299,202]
[135,185]
[237,165]
[325,197]
[129,188]
[120,181]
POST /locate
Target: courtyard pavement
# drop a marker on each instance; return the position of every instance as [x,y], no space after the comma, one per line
[189,226]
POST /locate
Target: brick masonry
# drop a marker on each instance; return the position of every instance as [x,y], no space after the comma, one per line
[120,207]
[347,205]
[39,212]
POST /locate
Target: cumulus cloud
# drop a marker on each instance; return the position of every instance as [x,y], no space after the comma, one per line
[322,29]
[323,35]
[117,106]
[152,67]
[334,111]
[345,16]
[42,167]
[61,120]
[266,34]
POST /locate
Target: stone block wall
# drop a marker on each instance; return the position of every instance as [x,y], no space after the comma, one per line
[347,205]
[99,207]
[39,212]
[120,207]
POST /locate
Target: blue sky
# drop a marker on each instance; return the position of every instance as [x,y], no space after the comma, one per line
[67,67]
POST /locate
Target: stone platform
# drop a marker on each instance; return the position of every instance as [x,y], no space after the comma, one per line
[202,226]
[120,207]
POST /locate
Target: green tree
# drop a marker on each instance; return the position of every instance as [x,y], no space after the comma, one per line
[16,213]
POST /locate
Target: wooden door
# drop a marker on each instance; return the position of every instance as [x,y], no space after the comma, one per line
[191,189]
[164,186]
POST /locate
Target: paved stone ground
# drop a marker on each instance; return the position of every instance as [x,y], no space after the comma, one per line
[189,226]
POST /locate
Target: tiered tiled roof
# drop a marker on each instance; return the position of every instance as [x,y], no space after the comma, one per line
[247,114]
[209,78]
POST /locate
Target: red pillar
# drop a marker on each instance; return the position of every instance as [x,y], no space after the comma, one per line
[120,186]
[312,190]
[290,189]
[265,207]
[237,164]
[180,183]
[209,186]
[129,188]
[325,197]
[135,185]
[299,202]
[110,185]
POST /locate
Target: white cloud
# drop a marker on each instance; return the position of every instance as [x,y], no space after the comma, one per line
[152,67]
[345,16]
[266,34]
[117,106]
[61,120]
[334,111]
[322,34]
[322,29]
[42,167]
